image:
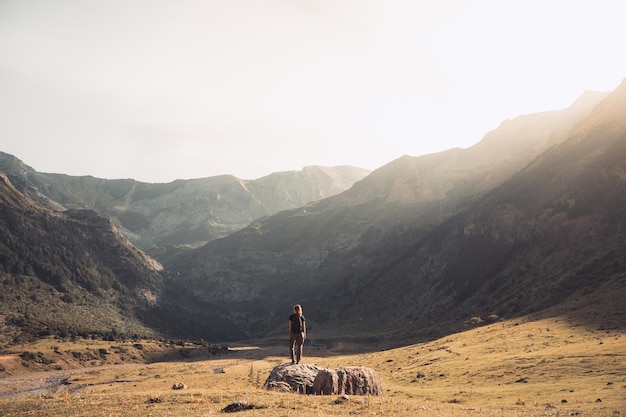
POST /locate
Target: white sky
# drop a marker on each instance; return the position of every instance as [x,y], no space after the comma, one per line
[158,90]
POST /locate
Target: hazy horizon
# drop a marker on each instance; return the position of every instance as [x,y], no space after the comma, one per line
[158,91]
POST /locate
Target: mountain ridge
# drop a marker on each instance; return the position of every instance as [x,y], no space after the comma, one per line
[182,212]
[411,250]
[559,220]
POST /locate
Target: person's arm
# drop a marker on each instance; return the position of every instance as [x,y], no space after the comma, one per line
[289,326]
[304,329]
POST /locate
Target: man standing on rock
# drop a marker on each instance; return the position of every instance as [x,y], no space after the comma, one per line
[297,333]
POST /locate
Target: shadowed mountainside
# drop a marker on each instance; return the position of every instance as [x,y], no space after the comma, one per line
[69,273]
[529,218]
[417,244]
[72,273]
[554,233]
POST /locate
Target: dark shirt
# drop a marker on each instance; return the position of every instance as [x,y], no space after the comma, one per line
[295,323]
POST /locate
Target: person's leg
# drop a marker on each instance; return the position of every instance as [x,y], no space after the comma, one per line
[299,343]
[292,343]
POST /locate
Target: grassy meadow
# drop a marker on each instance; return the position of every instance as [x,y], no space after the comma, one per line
[546,367]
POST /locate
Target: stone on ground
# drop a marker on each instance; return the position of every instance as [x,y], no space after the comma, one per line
[310,379]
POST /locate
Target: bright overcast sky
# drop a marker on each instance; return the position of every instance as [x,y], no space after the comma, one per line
[157,90]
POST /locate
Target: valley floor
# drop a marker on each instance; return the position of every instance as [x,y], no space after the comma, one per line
[547,367]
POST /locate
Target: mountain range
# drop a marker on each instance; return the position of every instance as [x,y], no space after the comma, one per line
[67,281]
[528,220]
[69,273]
[183,212]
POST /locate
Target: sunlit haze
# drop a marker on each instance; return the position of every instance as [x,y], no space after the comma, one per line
[160,90]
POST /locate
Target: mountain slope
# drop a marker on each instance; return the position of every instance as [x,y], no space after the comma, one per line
[53,256]
[69,273]
[183,212]
[347,255]
[72,273]
[500,153]
[416,247]
[554,233]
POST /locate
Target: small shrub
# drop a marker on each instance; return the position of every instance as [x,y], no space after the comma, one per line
[28,356]
[119,349]
[66,298]
[41,358]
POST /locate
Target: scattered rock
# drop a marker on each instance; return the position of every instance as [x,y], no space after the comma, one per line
[599,400]
[279,386]
[179,385]
[153,400]
[492,318]
[342,399]
[563,401]
[218,371]
[239,406]
[522,380]
[474,321]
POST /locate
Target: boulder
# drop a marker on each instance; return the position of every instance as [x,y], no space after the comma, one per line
[358,380]
[179,385]
[342,399]
[279,386]
[326,382]
[299,377]
[310,379]
[353,380]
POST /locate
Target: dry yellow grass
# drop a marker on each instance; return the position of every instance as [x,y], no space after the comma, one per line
[545,367]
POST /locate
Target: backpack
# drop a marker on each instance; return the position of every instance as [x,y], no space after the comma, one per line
[296,323]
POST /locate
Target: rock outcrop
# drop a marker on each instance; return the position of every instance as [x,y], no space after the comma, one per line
[299,377]
[353,380]
[310,379]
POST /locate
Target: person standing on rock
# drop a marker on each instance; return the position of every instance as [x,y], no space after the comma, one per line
[297,333]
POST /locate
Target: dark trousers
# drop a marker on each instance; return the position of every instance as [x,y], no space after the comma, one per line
[295,346]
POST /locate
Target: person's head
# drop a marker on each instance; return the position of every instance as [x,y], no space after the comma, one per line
[297,309]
